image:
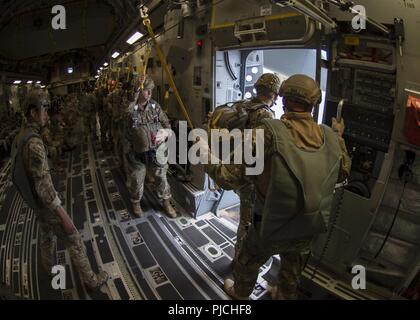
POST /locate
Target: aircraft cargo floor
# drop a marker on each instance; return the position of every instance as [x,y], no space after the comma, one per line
[152,257]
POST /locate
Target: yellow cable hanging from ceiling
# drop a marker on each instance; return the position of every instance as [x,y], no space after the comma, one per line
[146,57]
[147,23]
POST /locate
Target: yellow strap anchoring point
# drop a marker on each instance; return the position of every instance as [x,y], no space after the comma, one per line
[145,61]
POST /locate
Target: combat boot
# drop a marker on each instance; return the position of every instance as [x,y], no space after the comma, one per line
[137,210]
[169,210]
[229,288]
[97,281]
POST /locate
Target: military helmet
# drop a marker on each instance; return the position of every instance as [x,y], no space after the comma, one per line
[302,88]
[148,84]
[36,99]
[270,81]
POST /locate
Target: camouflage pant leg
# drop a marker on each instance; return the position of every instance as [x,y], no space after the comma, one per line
[248,262]
[163,188]
[246,195]
[74,245]
[292,263]
[136,174]
[253,255]
[47,246]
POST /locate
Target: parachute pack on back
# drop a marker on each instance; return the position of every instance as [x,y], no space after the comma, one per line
[233,115]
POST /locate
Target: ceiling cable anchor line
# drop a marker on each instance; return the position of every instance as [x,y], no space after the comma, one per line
[145,63]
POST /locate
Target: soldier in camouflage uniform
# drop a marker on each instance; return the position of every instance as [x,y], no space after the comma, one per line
[110,101]
[68,116]
[31,176]
[147,129]
[53,145]
[101,95]
[73,119]
[303,162]
[88,105]
[118,101]
[258,109]
[55,127]
[119,120]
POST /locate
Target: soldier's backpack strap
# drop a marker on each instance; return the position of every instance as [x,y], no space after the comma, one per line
[257,106]
[229,116]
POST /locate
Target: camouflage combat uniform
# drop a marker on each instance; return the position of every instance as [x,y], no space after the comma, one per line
[38,173]
[119,103]
[257,112]
[151,118]
[306,135]
[74,129]
[101,100]
[111,100]
[53,145]
[89,112]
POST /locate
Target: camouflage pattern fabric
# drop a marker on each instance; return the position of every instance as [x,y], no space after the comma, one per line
[50,228]
[53,145]
[306,134]
[73,120]
[115,101]
[247,199]
[136,174]
[101,99]
[89,112]
[120,104]
[36,165]
[269,80]
[247,192]
[253,255]
[152,117]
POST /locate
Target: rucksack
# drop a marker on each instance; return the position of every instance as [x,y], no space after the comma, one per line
[233,115]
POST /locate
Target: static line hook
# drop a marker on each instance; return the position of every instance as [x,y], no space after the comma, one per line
[144,12]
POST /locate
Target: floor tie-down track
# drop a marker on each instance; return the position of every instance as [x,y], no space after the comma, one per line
[148,258]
